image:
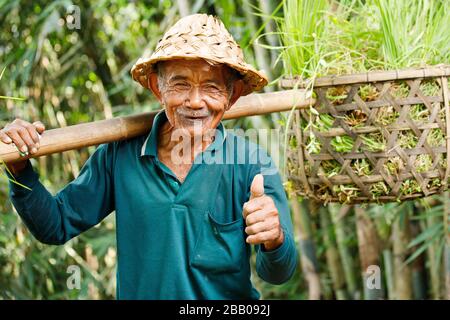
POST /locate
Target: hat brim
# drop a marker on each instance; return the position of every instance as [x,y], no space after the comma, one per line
[253,80]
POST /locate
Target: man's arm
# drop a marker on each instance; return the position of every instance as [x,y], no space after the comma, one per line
[80,205]
[269,224]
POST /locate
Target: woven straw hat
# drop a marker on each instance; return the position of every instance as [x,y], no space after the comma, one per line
[200,36]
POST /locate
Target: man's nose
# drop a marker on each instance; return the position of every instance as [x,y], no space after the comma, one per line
[195,98]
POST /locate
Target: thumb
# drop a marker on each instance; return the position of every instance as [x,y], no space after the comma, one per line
[257,187]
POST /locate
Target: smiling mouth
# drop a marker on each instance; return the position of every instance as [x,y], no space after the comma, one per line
[195,117]
[191,115]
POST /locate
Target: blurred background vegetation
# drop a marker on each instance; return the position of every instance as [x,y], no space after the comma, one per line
[68,75]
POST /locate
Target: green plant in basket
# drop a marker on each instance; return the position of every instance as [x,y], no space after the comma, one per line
[342,143]
[386,115]
[368,92]
[361,167]
[379,189]
[436,138]
[407,139]
[423,163]
[331,167]
[410,186]
[374,142]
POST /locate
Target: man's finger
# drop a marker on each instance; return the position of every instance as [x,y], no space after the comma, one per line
[32,131]
[252,206]
[256,204]
[258,227]
[257,187]
[263,237]
[4,137]
[26,137]
[40,127]
[255,217]
[20,144]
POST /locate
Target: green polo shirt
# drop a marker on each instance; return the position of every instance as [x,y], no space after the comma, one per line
[174,240]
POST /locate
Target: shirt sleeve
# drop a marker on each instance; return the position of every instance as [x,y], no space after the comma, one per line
[276,266]
[81,204]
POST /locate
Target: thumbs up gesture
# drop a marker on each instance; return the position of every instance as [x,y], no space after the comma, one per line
[262,218]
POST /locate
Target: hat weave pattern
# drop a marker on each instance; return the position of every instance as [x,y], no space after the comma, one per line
[200,36]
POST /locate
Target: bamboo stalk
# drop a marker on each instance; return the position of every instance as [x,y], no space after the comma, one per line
[260,53]
[183,8]
[402,272]
[332,255]
[121,128]
[418,268]
[337,215]
[369,254]
[70,157]
[389,271]
[266,6]
[383,232]
[308,257]
[433,264]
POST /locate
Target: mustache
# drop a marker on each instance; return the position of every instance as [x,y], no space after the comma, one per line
[185,112]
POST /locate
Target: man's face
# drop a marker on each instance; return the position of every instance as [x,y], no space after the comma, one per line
[195,93]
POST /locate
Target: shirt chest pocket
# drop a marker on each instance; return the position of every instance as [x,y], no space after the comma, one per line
[220,247]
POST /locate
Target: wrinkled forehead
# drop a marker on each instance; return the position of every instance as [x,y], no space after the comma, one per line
[195,70]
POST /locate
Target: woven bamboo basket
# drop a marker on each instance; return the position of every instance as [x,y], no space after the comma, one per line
[372,137]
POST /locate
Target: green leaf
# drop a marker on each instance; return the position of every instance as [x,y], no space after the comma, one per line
[429,234]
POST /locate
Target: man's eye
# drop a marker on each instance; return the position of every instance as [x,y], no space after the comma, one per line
[212,87]
[181,85]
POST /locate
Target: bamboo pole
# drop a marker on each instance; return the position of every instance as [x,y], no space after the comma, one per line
[389,271]
[433,263]
[369,255]
[384,236]
[308,257]
[417,266]
[121,128]
[266,7]
[183,8]
[332,255]
[402,271]
[260,53]
[338,214]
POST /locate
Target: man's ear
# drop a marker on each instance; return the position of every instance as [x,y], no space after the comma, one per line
[238,88]
[153,85]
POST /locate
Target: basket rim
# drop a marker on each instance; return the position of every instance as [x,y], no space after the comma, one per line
[441,70]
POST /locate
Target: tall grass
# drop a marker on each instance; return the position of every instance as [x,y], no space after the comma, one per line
[334,37]
[328,37]
[413,33]
[302,30]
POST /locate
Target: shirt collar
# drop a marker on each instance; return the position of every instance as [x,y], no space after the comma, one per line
[150,145]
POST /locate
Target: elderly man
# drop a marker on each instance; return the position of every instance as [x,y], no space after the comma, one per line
[186,217]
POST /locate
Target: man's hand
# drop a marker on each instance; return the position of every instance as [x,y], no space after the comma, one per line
[26,138]
[262,218]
